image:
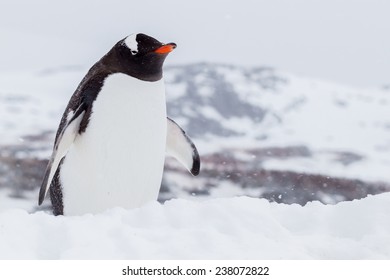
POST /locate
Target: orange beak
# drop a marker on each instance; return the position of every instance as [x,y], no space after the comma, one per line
[165,48]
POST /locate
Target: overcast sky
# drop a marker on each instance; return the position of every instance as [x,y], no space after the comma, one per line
[346,41]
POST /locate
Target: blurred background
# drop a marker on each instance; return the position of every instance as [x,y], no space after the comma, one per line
[286,100]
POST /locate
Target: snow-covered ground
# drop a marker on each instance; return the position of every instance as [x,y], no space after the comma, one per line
[225,228]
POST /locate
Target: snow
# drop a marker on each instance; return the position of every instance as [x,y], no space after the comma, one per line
[325,117]
[320,114]
[224,228]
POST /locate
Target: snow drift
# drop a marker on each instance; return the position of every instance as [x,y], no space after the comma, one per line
[225,228]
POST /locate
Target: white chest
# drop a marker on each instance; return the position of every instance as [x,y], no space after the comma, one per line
[118,161]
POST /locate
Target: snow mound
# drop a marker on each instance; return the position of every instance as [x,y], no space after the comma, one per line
[225,228]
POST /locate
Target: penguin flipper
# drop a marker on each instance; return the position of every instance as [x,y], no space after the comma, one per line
[180,146]
[61,147]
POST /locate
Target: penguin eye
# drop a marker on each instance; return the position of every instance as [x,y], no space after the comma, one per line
[134,52]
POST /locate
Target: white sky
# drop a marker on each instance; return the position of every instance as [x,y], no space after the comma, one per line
[347,41]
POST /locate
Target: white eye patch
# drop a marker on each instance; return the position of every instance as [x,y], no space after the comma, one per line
[132,43]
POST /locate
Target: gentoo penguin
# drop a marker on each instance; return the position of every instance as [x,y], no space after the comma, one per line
[110,146]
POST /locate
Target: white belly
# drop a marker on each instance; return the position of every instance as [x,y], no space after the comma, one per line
[118,161]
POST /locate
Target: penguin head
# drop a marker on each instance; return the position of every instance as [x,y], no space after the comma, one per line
[139,56]
[141,45]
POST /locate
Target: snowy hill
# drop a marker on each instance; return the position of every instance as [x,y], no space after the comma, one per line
[282,137]
[260,133]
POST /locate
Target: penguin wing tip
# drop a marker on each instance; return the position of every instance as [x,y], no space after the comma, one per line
[45,185]
[195,170]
